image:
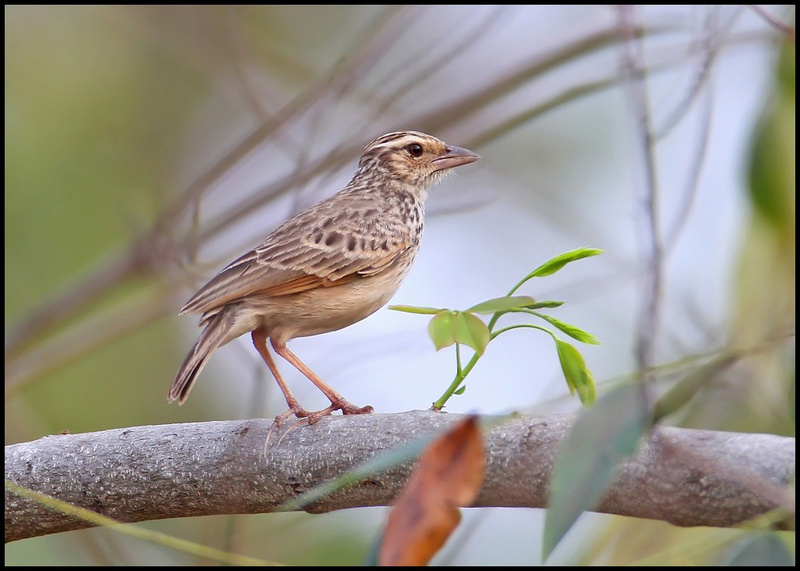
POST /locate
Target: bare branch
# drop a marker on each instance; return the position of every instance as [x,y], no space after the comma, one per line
[633,67]
[687,477]
[690,192]
[774,22]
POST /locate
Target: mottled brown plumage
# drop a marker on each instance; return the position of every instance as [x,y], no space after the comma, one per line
[328,267]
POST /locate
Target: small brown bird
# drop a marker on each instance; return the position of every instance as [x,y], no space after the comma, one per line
[327,267]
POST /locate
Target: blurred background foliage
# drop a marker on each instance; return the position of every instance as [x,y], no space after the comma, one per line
[148,146]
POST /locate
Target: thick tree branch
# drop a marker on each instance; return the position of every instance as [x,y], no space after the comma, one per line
[687,477]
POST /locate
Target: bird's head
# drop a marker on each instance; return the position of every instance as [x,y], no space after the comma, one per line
[412,158]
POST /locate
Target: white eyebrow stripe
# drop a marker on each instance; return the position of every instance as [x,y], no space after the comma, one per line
[398,140]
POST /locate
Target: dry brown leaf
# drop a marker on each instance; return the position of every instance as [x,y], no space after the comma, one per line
[449,474]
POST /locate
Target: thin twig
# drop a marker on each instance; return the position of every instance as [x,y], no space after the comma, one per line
[406,77]
[81,340]
[633,69]
[774,22]
[709,47]
[690,192]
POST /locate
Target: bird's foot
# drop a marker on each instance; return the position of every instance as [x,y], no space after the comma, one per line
[313,417]
[296,411]
[343,405]
[350,408]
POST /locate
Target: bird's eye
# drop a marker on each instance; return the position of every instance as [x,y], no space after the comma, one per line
[415,149]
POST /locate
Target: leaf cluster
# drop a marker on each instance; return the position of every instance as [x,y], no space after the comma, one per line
[463,327]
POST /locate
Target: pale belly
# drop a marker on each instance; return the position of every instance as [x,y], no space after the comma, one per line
[317,311]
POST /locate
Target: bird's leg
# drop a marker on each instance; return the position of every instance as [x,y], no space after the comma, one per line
[260,341]
[337,401]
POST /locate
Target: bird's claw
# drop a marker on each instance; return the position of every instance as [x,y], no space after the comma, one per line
[313,417]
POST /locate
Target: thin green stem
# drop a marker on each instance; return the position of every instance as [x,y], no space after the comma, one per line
[524,310]
[499,314]
[461,373]
[519,285]
[523,325]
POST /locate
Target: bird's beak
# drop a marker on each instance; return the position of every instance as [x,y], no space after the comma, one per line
[454,157]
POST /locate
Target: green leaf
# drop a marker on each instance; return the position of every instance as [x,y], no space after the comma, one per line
[587,461]
[470,330]
[371,559]
[571,330]
[546,304]
[552,265]
[503,304]
[460,390]
[440,329]
[412,309]
[578,376]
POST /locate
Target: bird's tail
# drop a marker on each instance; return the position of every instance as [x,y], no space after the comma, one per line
[212,336]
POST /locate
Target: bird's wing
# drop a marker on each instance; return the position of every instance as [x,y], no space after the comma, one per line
[320,247]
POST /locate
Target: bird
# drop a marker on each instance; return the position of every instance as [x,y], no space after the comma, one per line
[329,266]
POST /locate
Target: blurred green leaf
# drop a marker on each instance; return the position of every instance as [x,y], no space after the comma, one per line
[371,559]
[502,304]
[571,330]
[413,309]
[587,461]
[685,389]
[460,390]
[761,550]
[440,329]
[578,376]
[771,174]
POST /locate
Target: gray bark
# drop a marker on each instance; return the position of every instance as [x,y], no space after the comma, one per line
[686,477]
